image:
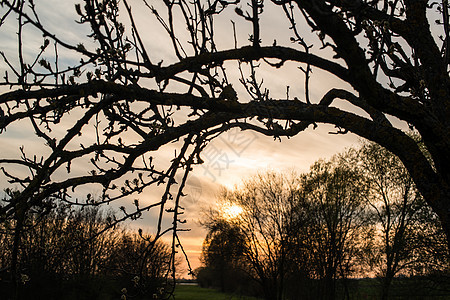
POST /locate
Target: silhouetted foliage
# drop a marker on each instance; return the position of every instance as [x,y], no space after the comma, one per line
[67,253]
[296,227]
[402,217]
[222,253]
[309,236]
[101,107]
[331,220]
[222,258]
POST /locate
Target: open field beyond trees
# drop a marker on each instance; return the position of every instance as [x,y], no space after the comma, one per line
[403,289]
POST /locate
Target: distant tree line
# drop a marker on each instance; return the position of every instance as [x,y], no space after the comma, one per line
[68,253]
[311,236]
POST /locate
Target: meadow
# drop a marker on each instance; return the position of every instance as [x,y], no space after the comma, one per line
[194,292]
[402,289]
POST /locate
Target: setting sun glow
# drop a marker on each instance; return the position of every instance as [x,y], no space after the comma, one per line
[231,211]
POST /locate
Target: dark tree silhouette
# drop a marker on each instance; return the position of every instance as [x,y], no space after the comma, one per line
[62,255]
[395,203]
[222,254]
[118,102]
[292,227]
[306,236]
[331,222]
[401,215]
[262,231]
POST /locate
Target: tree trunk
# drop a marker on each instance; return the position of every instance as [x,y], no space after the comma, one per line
[445,222]
[328,292]
[441,207]
[15,254]
[386,284]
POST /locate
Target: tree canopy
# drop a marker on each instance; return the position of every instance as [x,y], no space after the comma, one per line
[111,104]
[316,235]
[61,256]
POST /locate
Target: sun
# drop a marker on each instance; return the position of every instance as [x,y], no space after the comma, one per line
[231,211]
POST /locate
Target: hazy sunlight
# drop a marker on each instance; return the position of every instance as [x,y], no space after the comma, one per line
[231,211]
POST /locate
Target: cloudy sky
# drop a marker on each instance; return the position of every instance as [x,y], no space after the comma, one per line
[228,159]
[259,154]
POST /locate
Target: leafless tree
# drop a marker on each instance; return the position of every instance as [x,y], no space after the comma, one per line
[391,58]
[65,248]
[263,227]
[297,227]
[333,222]
[399,212]
[141,264]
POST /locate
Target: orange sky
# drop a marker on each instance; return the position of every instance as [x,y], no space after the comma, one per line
[262,153]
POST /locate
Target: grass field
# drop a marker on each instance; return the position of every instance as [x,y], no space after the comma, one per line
[364,289]
[194,292]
